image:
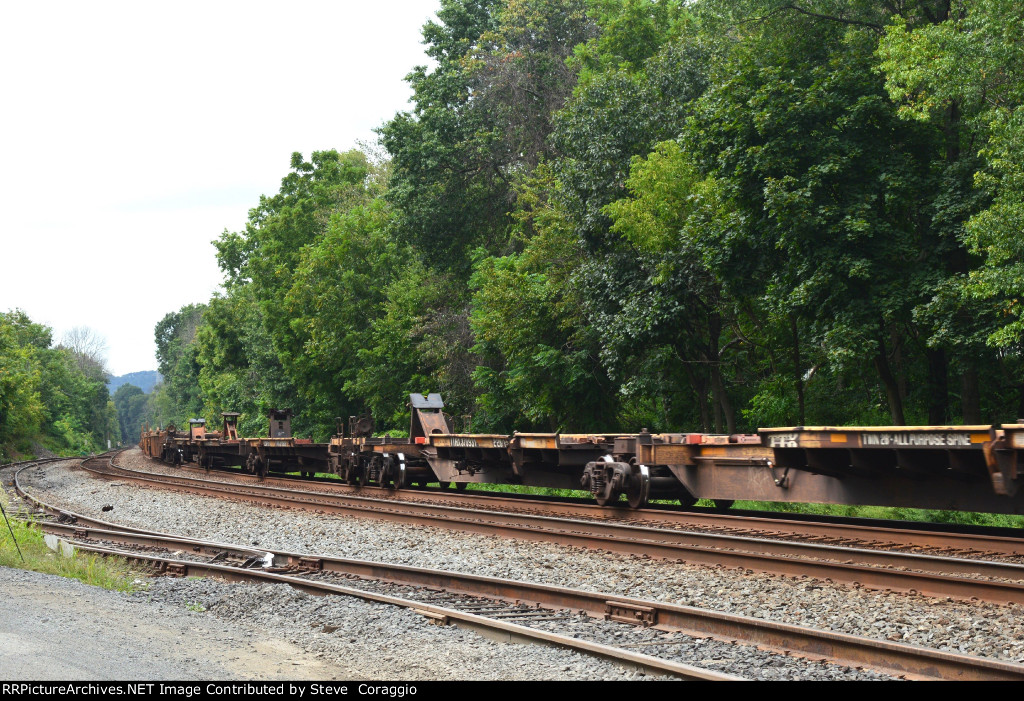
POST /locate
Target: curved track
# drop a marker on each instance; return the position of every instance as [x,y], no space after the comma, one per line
[494,602]
[926,538]
[904,572]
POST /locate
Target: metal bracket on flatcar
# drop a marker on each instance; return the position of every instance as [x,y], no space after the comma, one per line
[1001,461]
[782,482]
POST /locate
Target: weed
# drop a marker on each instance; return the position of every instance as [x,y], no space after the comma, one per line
[107,572]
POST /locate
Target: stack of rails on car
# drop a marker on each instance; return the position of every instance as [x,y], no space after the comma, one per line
[963,468]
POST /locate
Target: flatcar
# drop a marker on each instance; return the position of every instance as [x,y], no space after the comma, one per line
[966,468]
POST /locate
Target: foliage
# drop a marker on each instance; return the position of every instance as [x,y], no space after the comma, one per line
[613,214]
[971,67]
[448,189]
[133,412]
[239,370]
[49,395]
[177,362]
[108,572]
[340,289]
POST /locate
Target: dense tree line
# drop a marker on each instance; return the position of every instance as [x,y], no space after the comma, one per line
[608,214]
[51,396]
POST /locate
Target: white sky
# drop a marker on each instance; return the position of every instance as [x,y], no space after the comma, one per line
[133,133]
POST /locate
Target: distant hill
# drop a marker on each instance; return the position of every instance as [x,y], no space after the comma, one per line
[144,380]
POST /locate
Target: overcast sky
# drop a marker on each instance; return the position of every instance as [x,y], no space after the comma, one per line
[132,134]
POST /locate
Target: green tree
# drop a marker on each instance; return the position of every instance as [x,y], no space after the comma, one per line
[540,364]
[963,74]
[239,370]
[177,360]
[49,396]
[447,194]
[131,404]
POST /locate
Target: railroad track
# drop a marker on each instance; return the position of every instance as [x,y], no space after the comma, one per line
[521,610]
[927,575]
[916,539]
[23,509]
[494,616]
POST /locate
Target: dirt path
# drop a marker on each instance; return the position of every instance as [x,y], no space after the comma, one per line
[52,628]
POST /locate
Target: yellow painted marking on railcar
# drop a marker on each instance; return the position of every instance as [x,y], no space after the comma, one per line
[979,438]
[838,438]
[542,443]
[714,450]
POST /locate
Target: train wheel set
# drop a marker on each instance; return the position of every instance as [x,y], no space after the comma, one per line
[965,468]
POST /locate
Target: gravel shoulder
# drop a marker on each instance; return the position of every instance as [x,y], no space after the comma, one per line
[53,628]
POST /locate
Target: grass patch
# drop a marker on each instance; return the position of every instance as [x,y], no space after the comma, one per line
[523,489]
[96,570]
[967,518]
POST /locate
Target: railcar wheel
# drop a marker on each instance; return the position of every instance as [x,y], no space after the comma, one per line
[350,470]
[401,478]
[638,487]
[460,486]
[388,473]
[724,504]
[399,475]
[255,465]
[635,501]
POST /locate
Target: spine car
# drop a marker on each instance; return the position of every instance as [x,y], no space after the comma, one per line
[965,468]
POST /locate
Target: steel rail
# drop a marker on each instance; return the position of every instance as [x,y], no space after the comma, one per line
[771,556]
[838,648]
[880,536]
[24,463]
[489,626]
[510,631]
[842,648]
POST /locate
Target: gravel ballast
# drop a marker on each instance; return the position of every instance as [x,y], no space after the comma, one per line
[975,628]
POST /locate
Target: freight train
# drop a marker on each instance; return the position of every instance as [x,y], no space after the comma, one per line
[965,468]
